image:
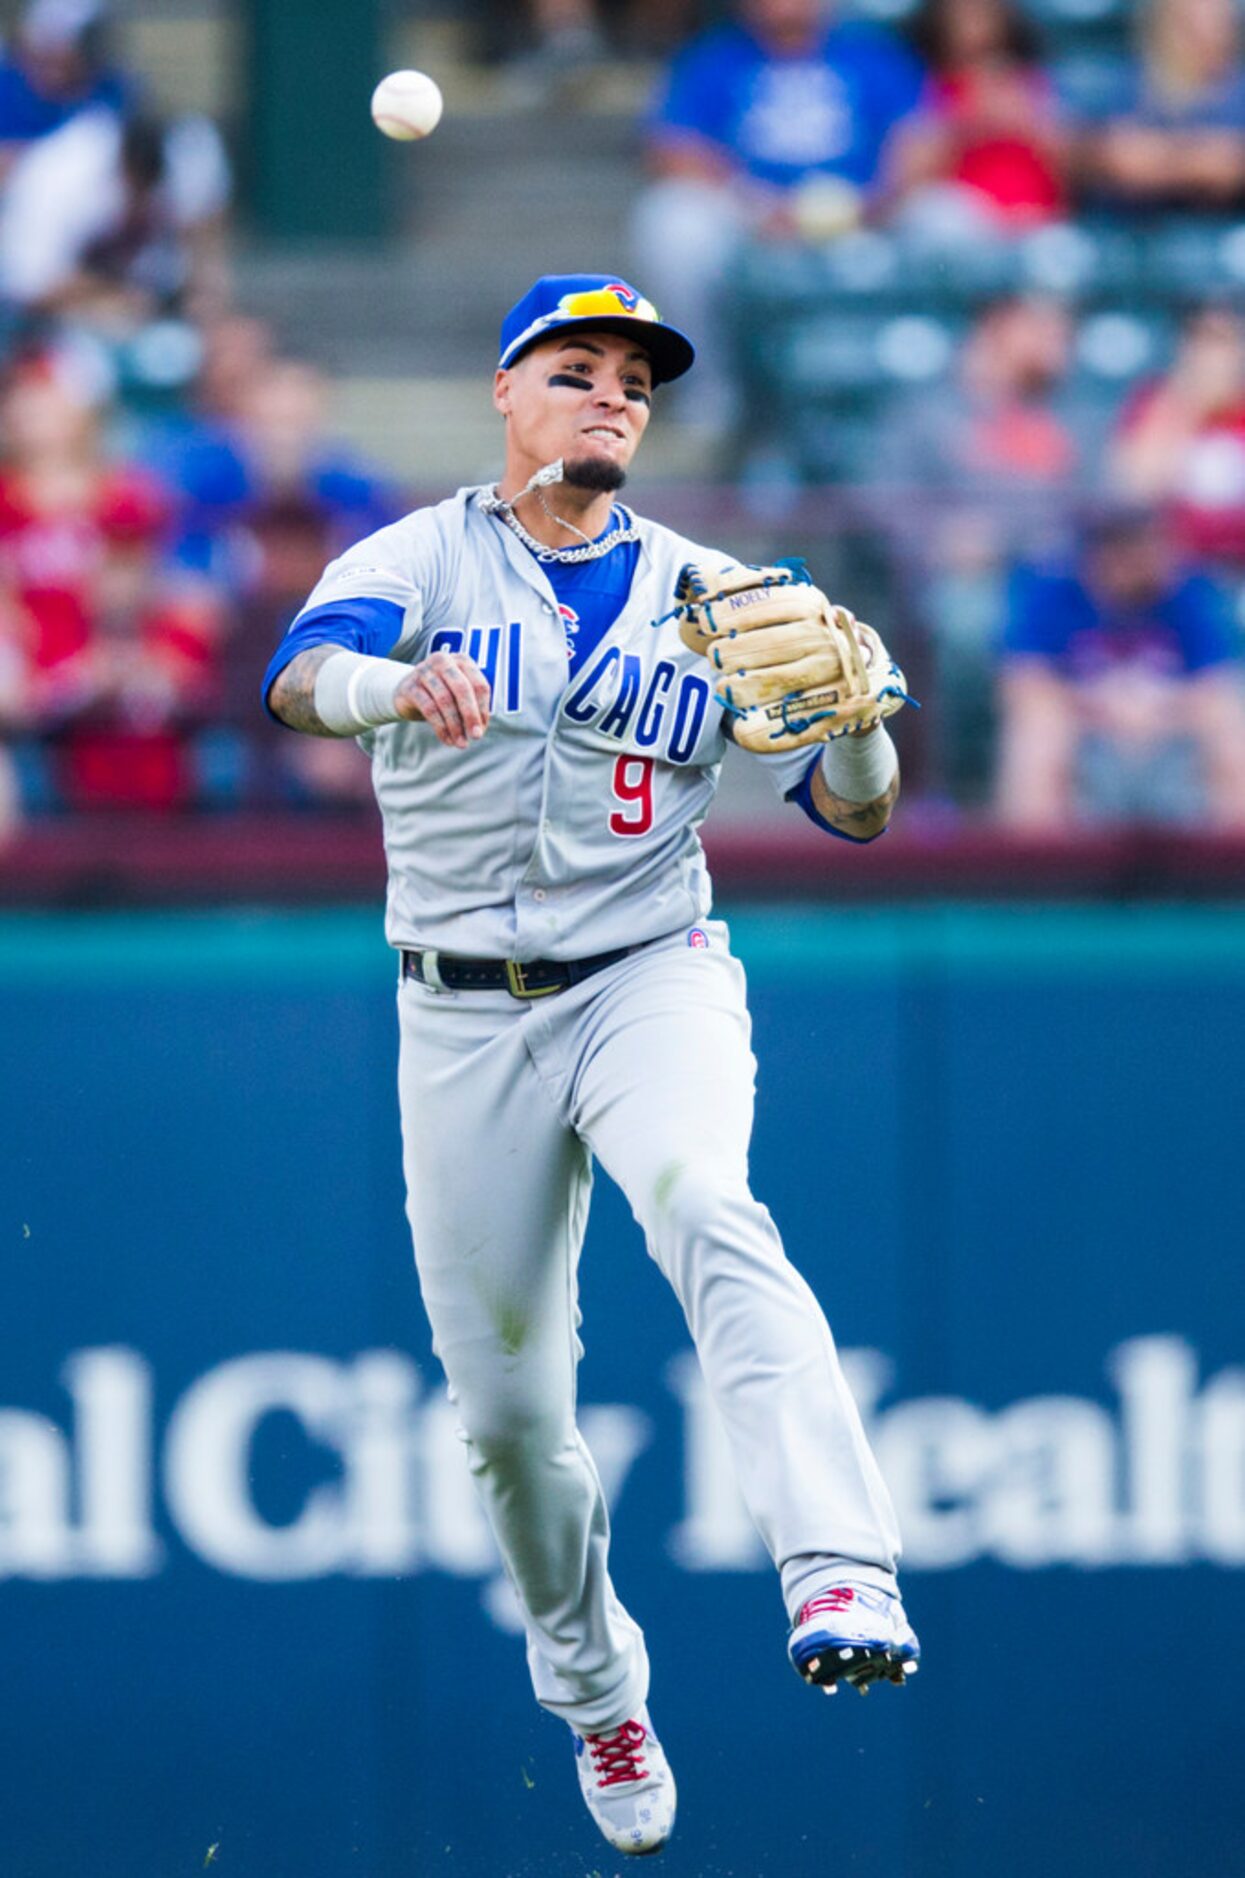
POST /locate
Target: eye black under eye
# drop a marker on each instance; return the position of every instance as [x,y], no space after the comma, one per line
[637,395]
[573,380]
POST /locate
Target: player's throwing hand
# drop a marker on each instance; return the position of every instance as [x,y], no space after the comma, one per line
[450,693]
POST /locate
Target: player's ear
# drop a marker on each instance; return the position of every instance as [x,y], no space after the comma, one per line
[501,391]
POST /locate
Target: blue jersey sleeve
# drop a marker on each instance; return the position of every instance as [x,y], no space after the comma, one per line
[360,625]
[803,795]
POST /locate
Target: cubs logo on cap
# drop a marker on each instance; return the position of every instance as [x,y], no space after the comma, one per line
[565,302]
[607,299]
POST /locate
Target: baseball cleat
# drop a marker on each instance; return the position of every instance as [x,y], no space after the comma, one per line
[627,1785]
[856,1634]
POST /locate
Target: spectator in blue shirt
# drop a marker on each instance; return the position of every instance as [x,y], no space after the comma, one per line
[54,69]
[269,453]
[780,94]
[1121,695]
[766,124]
[263,498]
[1173,135]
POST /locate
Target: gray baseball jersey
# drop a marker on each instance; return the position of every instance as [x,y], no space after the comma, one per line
[570,829]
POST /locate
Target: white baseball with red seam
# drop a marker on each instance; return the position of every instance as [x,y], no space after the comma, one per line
[407,105]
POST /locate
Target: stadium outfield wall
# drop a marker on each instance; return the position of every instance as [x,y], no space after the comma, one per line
[254,1621]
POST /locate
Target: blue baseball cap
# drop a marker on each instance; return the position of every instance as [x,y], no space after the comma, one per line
[565,302]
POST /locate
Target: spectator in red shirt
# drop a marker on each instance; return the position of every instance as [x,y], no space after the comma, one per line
[130,700]
[57,495]
[1181,441]
[985,151]
[112,663]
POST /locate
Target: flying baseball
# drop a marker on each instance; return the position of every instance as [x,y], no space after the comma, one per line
[407,106]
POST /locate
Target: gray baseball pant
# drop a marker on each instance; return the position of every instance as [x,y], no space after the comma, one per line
[646,1066]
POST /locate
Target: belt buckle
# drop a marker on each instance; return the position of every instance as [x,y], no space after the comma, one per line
[519,988]
[428,969]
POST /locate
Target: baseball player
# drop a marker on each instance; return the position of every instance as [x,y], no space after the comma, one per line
[547,685]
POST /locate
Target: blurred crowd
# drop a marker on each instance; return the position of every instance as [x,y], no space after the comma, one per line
[1063,572]
[1072,565]
[167,494]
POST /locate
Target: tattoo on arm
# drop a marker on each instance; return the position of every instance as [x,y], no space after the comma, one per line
[292,695]
[860,819]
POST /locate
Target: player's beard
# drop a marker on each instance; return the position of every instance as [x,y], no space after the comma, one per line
[595,474]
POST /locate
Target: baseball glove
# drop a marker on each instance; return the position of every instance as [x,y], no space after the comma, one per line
[792,667]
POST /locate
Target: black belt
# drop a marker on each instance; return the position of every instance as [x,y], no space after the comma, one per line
[534,978]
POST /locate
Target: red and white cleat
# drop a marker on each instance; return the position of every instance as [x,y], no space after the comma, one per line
[856,1634]
[627,1785]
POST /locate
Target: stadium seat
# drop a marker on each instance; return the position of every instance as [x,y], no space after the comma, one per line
[914,348]
[785,275]
[885,12]
[1076,260]
[1066,25]
[1117,348]
[830,358]
[867,264]
[1192,259]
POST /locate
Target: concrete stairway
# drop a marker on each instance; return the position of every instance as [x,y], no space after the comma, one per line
[502,192]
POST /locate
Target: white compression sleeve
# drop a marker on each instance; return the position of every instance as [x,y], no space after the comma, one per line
[354,692]
[859,769]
